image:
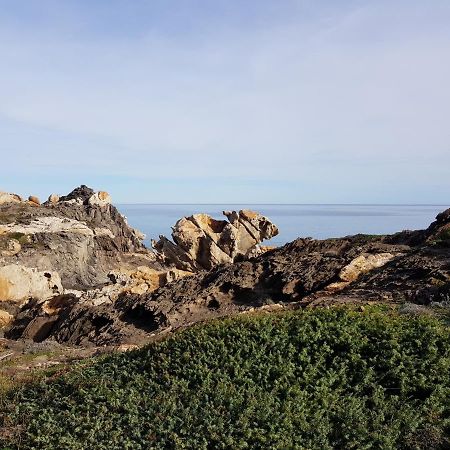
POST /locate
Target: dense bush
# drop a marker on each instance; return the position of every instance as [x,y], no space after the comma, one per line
[322,379]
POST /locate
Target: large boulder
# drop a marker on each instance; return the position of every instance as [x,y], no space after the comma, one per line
[34,200]
[53,199]
[19,283]
[201,242]
[6,197]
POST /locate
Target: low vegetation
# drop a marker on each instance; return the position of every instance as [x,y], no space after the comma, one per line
[319,379]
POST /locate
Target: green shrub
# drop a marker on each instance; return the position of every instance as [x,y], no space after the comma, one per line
[319,379]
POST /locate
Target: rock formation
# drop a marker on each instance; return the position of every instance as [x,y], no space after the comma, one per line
[201,242]
[81,236]
[72,270]
[406,267]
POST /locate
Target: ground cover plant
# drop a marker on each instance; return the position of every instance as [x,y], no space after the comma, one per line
[318,379]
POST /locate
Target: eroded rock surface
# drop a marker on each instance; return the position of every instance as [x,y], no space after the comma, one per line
[201,242]
[411,266]
[81,236]
[299,273]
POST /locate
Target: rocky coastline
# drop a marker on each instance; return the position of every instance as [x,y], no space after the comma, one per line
[74,273]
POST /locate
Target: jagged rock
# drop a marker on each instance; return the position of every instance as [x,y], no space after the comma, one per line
[201,242]
[19,284]
[360,265]
[258,226]
[5,198]
[39,319]
[53,199]
[33,199]
[80,195]
[84,195]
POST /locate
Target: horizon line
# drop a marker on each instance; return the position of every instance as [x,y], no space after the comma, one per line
[282,204]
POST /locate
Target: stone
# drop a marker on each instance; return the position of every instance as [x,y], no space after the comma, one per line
[33,199]
[39,328]
[9,247]
[5,197]
[362,264]
[101,198]
[73,201]
[201,242]
[102,232]
[80,195]
[18,284]
[5,318]
[53,199]
[148,279]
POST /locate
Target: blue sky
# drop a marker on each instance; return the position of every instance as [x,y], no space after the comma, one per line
[185,101]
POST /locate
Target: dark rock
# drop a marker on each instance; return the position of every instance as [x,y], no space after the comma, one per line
[83,193]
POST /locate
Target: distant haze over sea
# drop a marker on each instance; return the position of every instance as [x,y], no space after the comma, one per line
[317,221]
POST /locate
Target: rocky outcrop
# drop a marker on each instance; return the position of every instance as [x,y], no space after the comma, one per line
[84,195]
[201,242]
[79,195]
[47,224]
[405,267]
[81,236]
[39,319]
[294,273]
[101,198]
[362,264]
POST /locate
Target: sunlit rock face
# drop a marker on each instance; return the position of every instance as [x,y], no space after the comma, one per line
[201,242]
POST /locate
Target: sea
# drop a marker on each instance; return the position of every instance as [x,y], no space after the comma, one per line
[293,221]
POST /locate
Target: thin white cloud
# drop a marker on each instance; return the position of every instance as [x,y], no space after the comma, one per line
[364,87]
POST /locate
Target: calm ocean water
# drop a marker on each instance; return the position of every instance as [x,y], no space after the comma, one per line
[317,221]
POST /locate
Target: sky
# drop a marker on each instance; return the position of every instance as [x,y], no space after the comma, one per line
[227,101]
